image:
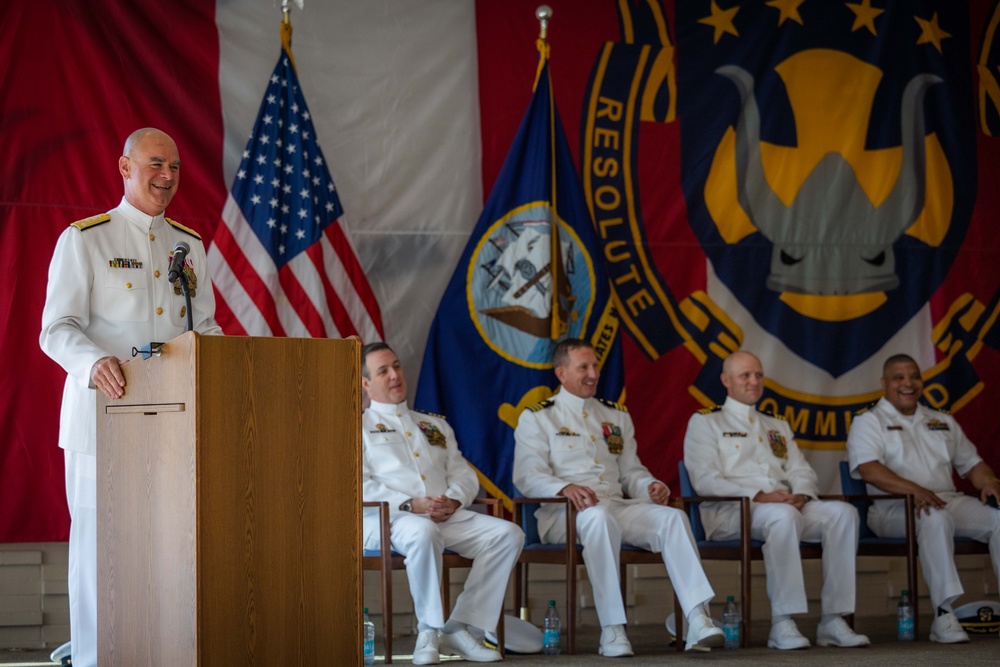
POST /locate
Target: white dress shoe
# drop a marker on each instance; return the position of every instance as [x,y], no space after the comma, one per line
[946,630]
[426,650]
[463,644]
[837,632]
[614,642]
[702,635]
[785,636]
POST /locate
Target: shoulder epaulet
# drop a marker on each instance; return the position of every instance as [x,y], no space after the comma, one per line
[708,411]
[772,413]
[92,221]
[186,230]
[432,414]
[612,404]
[542,405]
[941,410]
[866,408]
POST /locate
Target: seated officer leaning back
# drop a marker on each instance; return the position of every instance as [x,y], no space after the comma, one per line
[584,448]
[411,459]
[902,446]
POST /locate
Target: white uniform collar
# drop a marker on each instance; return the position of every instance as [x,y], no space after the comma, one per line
[891,409]
[571,401]
[138,218]
[738,408]
[389,408]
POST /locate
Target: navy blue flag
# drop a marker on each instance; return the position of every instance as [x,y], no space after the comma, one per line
[530,276]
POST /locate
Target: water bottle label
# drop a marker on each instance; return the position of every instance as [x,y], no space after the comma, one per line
[550,638]
[732,632]
[906,627]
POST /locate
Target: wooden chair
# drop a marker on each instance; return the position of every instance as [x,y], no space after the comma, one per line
[386,560]
[744,550]
[569,555]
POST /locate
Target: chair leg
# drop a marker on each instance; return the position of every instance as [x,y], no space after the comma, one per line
[446,593]
[387,615]
[571,609]
[678,622]
[745,577]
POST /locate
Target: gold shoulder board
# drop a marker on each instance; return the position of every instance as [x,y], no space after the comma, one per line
[186,230]
[92,221]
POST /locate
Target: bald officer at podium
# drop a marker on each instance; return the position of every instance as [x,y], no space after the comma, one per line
[107,292]
[411,460]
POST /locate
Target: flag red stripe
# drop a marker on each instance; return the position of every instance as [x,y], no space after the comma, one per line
[255,287]
[349,261]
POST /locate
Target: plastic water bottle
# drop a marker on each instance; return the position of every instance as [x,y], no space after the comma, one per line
[731,623]
[550,636]
[905,618]
[369,640]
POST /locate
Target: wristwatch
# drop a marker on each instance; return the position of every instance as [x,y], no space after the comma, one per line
[407,505]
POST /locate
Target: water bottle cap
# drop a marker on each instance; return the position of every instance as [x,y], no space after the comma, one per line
[729,598]
[552,603]
[905,591]
[366,610]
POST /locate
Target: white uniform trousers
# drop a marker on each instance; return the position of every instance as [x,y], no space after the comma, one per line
[493,544]
[81,496]
[664,530]
[781,527]
[963,516]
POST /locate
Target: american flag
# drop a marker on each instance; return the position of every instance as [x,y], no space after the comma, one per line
[281,263]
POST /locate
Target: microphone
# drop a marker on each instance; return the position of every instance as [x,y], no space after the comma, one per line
[181,250]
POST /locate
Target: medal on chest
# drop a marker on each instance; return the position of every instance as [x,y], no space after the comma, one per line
[613,437]
[778,446]
[433,434]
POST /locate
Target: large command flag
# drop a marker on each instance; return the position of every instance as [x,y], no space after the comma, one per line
[530,276]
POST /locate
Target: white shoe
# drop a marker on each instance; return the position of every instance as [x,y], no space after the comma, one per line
[785,636]
[702,635]
[946,630]
[461,643]
[426,650]
[614,642]
[837,632]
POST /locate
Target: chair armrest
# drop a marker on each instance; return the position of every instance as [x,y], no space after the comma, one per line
[570,519]
[383,520]
[493,505]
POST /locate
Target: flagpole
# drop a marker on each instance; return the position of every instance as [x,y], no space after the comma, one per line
[286,29]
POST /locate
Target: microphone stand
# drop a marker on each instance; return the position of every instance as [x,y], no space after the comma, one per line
[186,291]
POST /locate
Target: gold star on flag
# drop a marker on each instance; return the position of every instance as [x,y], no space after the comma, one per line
[931,32]
[789,10]
[722,21]
[864,15]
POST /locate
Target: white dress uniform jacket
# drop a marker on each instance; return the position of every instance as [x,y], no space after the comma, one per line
[107,293]
[736,450]
[569,440]
[923,448]
[410,454]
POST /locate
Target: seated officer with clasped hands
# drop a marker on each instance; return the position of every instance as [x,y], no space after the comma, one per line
[901,446]
[411,459]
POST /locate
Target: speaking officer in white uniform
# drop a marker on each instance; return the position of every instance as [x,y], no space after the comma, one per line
[107,292]
[411,460]
[735,450]
[580,447]
[901,446]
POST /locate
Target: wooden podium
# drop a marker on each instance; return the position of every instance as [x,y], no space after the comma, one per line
[228,500]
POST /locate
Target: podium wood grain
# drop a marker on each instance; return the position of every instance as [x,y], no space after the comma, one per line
[229,505]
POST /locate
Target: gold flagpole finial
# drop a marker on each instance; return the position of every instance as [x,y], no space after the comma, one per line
[544,15]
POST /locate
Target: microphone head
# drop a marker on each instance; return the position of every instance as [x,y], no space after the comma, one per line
[183,247]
